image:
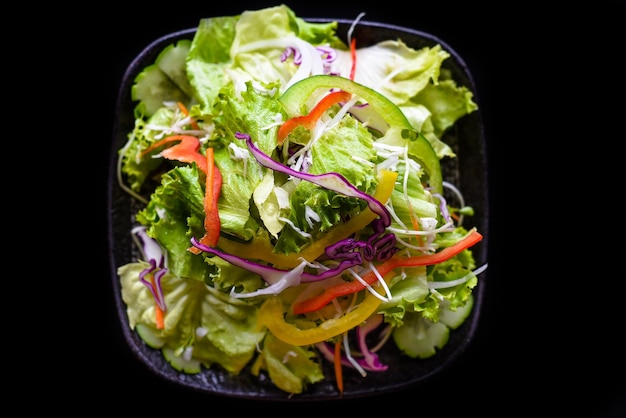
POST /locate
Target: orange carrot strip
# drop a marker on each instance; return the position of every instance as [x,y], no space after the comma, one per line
[212,223]
[346,288]
[158,312]
[353,56]
[183,109]
[309,121]
[160,321]
[186,151]
[338,370]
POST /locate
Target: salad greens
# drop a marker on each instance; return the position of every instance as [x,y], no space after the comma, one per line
[291,201]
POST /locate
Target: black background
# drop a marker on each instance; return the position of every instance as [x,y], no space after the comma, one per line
[544,346]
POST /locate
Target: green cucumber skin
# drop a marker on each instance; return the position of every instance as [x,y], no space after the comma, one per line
[180,364]
[149,337]
[454,319]
[422,342]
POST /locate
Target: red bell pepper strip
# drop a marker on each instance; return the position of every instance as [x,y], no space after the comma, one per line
[309,121]
[317,302]
[212,223]
[186,151]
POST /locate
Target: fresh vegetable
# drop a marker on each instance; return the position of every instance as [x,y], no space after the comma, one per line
[332,292]
[311,119]
[211,197]
[338,367]
[292,207]
[186,151]
[396,127]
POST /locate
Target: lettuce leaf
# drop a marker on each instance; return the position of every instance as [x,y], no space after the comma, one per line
[209,324]
[345,149]
[173,216]
[290,368]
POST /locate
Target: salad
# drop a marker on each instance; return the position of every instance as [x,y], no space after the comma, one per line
[290,204]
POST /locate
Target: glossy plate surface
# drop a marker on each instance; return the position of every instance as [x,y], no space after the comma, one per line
[468,171]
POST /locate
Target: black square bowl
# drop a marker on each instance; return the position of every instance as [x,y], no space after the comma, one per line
[468,171]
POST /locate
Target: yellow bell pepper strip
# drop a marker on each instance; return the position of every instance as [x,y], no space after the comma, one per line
[259,249]
[262,249]
[317,302]
[271,314]
[212,225]
[186,151]
[308,121]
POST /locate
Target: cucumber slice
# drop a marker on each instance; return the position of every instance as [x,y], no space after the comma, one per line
[179,363]
[173,62]
[153,87]
[419,337]
[149,337]
[454,319]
